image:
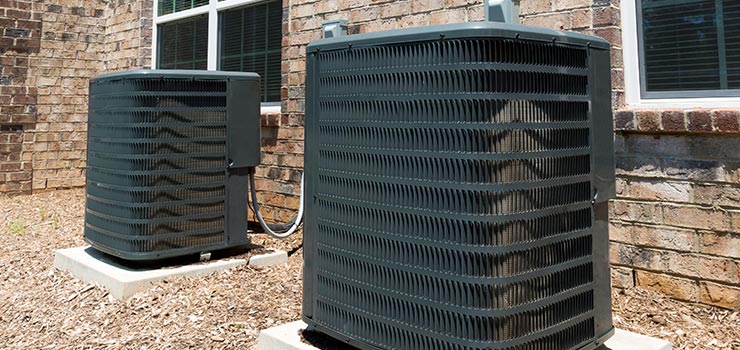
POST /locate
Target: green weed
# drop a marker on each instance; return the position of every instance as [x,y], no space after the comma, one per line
[17,228]
[55,221]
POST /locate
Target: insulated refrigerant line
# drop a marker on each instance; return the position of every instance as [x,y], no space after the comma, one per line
[279,230]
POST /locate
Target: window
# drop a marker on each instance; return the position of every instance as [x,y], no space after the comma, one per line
[232,35]
[251,42]
[687,48]
[184,44]
[171,6]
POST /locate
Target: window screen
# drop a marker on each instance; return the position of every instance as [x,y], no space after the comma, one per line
[251,40]
[183,44]
[690,45]
[170,6]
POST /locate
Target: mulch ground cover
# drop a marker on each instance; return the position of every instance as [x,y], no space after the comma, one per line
[45,308]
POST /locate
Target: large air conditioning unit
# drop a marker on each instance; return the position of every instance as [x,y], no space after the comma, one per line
[168,159]
[457,179]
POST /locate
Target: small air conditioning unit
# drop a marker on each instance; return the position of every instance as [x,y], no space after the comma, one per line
[457,179]
[168,159]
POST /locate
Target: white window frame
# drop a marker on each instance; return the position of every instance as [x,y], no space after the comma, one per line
[212,10]
[632,82]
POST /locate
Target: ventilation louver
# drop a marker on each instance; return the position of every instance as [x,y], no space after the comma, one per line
[458,179]
[168,153]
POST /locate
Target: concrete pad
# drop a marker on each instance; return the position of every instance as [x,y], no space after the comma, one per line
[287,337]
[92,266]
[623,340]
[284,337]
[269,259]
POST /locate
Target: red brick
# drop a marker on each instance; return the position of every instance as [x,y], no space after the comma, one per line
[726,121]
[699,121]
[675,287]
[717,195]
[606,16]
[662,190]
[622,277]
[569,4]
[720,295]
[700,266]
[674,121]
[364,14]
[17,177]
[640,257]
[426,6]
[8,167]
[535,6]
[695,217]
[621,232]
[581,18]
[18,14]
[448,16]
[720,244]
[272,119]
[611,34]
[23,118]
[632,211]
[557,20]
[664,237]
[649,121]
[624,120]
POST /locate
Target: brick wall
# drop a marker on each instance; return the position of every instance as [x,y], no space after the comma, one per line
[15,174]
[50,50]
[128,38]
[70,54]
[20,36]
[676,224]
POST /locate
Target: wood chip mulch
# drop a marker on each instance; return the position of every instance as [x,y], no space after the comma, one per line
[45,308]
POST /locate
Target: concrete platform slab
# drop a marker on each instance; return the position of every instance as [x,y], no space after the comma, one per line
[268,259]
[623,340]
[288,337]
[90,265]
[284,337]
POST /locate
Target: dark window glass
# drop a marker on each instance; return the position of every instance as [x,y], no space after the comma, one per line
[731,22]
[170,6]
[690,45]
[251,41]
[183,44]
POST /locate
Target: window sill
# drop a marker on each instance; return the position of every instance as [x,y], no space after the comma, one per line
[271,109]
[685,103]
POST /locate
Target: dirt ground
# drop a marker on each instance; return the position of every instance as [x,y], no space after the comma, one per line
[45,308]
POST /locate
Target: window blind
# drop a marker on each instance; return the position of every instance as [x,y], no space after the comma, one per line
[183,44]
[731,22]
[251,41]
[171,6]
[690,45]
